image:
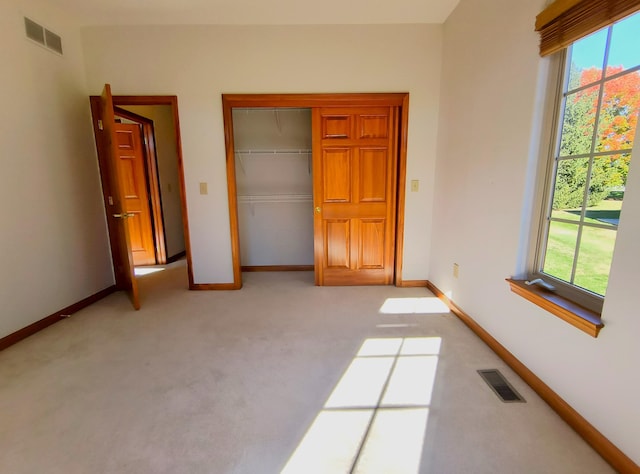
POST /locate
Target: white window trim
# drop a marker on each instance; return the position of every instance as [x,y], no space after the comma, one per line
[553,117]
[558,72]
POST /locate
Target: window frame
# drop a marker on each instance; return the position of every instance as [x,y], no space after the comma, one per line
[581,296]
[558,78]
[557,94]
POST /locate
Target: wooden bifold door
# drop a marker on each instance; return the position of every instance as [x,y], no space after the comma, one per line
[354,182]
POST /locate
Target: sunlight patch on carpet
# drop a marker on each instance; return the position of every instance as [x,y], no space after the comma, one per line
[375,419]
[421,305]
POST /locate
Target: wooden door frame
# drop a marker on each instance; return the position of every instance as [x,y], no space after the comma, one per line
[231,101]
[120,100]
[152,181]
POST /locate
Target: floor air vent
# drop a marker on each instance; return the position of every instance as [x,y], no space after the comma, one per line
[499,384]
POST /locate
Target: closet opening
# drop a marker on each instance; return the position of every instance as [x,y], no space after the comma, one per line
[273,168]
[317,181]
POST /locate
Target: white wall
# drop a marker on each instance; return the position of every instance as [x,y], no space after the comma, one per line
[198,63]
[54,240]
[276,233]
[167,160]
[486,152]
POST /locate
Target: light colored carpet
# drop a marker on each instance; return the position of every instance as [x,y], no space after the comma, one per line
[280,375]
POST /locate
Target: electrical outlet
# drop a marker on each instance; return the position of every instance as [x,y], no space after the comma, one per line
[456,270]
[415,185]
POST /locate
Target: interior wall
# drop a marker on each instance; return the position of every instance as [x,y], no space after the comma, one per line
[271,129]
[199,63]
[54,236]
[492,100]
[166,151]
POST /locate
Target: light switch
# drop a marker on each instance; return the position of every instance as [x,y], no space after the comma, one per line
[203,188]
[168,187]
[415,185]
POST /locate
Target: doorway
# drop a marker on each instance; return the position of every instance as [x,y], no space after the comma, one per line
[164,227]
[137,161]
[158,182]
[359,168]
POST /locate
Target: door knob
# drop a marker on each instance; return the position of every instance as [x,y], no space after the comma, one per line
[318,210]
[124,215]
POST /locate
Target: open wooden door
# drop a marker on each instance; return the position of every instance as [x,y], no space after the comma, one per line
[355,156]
[116,212]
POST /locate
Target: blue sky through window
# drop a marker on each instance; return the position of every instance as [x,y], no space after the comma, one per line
[625,46]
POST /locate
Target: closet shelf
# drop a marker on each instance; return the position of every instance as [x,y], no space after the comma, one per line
[273,152]
[272,109]
[259,198]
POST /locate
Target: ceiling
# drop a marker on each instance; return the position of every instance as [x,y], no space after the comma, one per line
[257,12]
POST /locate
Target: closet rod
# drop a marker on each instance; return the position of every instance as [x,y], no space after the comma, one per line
[273,152]
[271,109]
[276,198]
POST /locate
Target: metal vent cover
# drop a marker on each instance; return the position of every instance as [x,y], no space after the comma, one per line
[500,386]
[34,31]
[54,41]
[42,36]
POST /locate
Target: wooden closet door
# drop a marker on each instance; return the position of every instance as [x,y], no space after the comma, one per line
[354,182]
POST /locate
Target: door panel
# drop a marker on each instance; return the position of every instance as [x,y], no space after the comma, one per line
[355,161]
[125,140]
[373,175]
[116,213]
[338,243]
[374,126]
[336,126]
[371,247]
[134,188]
[337,174]
[128,175]
[135,234]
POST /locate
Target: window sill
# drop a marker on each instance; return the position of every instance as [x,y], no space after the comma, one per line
[582,318]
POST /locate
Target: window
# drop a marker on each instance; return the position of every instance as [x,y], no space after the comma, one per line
[598,107]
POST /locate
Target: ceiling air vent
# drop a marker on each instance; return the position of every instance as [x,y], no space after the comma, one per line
[42,36]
